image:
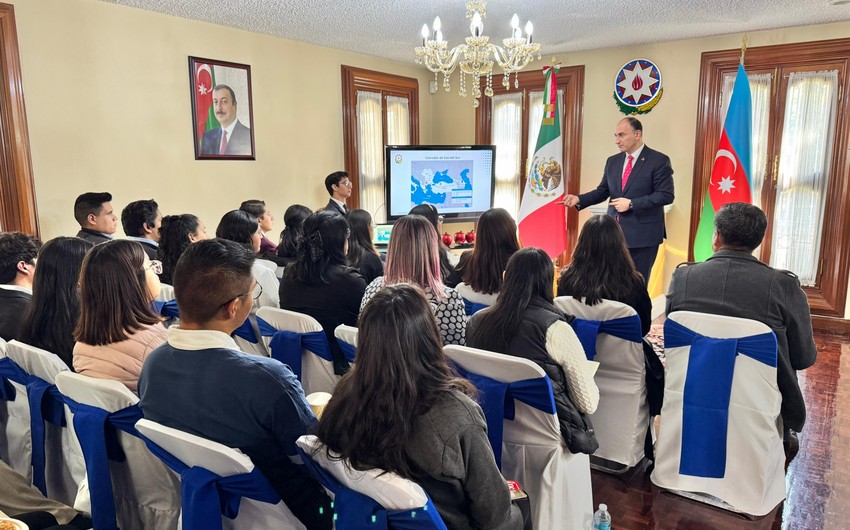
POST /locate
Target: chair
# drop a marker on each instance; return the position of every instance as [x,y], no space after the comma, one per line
[532,449]
[15,441]
[611,334]
[52,459]
[301,343]
[346,337]
[221,488]
[373,499]
[473,301]
[124,478]
[721,436]
[166,293]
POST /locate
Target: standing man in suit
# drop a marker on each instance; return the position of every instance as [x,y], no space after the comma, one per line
[237,137]
[97,219]
[639,181]
[18,254]
[339,188]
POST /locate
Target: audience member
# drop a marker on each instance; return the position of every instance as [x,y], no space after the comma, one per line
[525,323]
[21,500]
[413,256]
[293,219]
[429,211]
[320,283]
[18,254]
[199,382]
[93,211]
[404,410]
[118,327]
[481,269]
[362,254]
[242,227]
[50,320]
[264,216]
[175,235]
[339,188]
[141,221]
[735,283]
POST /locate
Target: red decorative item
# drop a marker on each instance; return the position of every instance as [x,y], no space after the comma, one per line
[460,238]
[447,239]
[470,236]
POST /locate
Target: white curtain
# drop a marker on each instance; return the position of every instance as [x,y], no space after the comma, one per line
[398,133]
[804,163]
[370,152]
[507,137]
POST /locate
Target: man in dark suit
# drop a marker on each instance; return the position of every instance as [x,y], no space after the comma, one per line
[733,282]
[17,267]
[639,181]
[237,137]
[93,211]
[141,221]
[339,188]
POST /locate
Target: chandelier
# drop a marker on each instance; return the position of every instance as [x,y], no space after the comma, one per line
[477,56]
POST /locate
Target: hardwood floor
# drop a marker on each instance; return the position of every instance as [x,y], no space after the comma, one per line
[817,480]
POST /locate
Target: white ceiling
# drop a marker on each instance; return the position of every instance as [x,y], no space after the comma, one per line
[392,29]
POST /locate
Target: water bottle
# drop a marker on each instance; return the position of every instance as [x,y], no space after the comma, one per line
[602,519]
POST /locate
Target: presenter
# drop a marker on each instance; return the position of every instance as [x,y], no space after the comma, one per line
[639,181]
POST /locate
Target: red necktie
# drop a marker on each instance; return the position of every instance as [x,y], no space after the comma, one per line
[627,171]
[223,148]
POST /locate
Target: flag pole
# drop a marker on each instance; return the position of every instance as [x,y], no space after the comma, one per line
[744,43]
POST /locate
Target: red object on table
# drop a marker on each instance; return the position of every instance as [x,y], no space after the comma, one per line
[460,238]
[447,239]
[470,236]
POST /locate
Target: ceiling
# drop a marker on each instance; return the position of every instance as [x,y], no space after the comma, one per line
[392,29]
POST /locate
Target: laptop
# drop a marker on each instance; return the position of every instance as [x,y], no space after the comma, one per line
[381,236]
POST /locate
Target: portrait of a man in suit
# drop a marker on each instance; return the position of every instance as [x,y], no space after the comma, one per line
[232,137]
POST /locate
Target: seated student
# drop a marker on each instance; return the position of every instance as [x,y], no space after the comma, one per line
[413,256]
[141,221]
[243,228]
[93,211]
[429,211]
[320,283]
[264,216]
[481,268]
[526,324]
[175,235]
[50,320]
[403,409]
[293,218]
[118,327]
[18,254]
[199,382]
[361,251]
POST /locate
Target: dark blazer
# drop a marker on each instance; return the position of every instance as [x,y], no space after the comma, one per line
[332,206]
[92,236]
[13,305]
[238,144]
[650,187]
[736,284]
[150,250]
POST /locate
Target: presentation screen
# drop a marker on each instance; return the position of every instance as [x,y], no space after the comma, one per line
[457,179]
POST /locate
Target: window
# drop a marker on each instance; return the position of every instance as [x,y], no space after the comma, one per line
[378,109]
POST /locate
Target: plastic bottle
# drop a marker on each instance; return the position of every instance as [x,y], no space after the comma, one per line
[602,519]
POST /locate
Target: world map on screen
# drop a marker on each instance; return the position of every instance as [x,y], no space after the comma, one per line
[443,183]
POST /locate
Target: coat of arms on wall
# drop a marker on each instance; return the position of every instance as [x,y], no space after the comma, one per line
[637,87]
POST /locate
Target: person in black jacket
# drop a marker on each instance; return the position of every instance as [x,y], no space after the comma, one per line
[361,251]
[18,254]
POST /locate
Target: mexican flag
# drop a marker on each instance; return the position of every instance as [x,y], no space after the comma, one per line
[204,83]
[731,175]
[542,217]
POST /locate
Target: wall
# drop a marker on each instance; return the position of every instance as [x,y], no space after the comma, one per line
[108,107]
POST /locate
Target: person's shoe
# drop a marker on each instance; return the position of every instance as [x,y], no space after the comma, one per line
[791,444]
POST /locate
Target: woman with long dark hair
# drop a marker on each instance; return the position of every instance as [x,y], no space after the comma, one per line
[118,327]
[402,409]
[413,257]
[242,227]
[361,251]
[525,323]
[176,233]
[430,212]
[320,283]
[293,219]
[51,317]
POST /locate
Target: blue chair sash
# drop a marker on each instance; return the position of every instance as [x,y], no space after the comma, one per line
[96,431]
[10,372]
[167,309]
[472,307]
[626,328]
[207,496]
[497,402]
[355,511]
[246,330]
[708,388]
[349,350]
[287,347]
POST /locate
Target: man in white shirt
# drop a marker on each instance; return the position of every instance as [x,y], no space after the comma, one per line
[339,188]
[17,268]
[232,138]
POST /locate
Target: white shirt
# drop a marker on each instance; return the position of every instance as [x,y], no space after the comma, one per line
[341,204]
[634,156]
[143,240]
[199,339]
[11,287]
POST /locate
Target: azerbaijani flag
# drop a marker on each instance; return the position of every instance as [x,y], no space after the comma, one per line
[731,175]
[542,217]
[204,83]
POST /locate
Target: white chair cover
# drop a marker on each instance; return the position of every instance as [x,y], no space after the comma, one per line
[166,293]
[346,337]
[15,441]
[533,451]
[622,418]
[474,296]
[317,374]
[65,468]
[224,461]
[754,479]
[269,264]
[146,492]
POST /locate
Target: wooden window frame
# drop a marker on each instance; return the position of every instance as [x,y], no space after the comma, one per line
[354,79]
[829,298]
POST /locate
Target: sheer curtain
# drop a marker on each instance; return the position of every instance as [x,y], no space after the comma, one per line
[398,133]
[806,152]
[507,137]
[370,153]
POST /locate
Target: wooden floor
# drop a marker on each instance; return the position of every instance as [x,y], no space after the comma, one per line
[817,482]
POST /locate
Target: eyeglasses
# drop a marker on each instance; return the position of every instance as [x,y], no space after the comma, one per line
[155,266]
[347,183]
[256,296]
[440,218]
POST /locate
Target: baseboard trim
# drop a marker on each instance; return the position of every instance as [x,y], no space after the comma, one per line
[831,325]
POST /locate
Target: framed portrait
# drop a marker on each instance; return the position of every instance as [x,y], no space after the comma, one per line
[222,110]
